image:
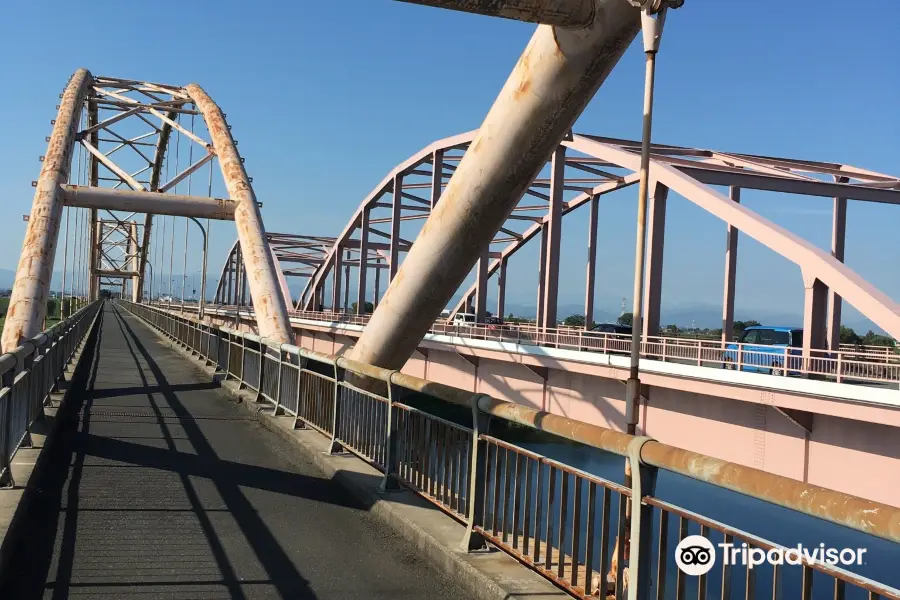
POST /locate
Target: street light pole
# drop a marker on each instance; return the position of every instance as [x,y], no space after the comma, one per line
[151,279]
[653,18]
[652,26]
[202,302]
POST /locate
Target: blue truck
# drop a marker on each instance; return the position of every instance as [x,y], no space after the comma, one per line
[764,349]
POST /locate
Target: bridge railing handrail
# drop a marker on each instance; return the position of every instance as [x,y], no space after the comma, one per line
[469,473]
[28,375]
[863,364]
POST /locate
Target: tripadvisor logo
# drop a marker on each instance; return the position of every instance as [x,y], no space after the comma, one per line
[696,555]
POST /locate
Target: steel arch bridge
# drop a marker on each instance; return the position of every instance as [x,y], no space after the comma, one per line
[137,142]
[583,169]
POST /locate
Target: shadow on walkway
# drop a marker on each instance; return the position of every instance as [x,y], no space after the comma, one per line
[167,490]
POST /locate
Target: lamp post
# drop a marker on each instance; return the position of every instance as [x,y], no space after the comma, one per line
[652,27]
[202,301]
[151,279]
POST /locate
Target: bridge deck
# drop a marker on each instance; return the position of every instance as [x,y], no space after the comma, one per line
[164,489]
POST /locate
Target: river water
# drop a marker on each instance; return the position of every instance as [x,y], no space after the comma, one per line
[881,562]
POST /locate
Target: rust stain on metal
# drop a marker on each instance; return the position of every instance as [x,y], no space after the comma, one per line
[562,13]
[28,301]
[271,310]
[851,511]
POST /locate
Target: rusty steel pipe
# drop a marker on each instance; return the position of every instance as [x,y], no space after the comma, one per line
[550,86]
[570,429]
[148,202]
[268,301]
[28,302]
[561,13]
[854,512]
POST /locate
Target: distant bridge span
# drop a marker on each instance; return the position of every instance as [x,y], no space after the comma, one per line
[581,171]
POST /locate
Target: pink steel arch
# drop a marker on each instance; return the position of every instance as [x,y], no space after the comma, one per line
[689,172]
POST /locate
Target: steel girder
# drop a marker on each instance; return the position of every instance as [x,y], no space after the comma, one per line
[595,166]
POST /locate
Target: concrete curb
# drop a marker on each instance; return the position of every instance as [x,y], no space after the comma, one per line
[489,575]
[29,464]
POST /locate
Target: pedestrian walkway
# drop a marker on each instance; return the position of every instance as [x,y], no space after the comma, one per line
[164,488]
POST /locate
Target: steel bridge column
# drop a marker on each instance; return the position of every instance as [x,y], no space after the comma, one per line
[238,277]
[481,285]
[28,301]
[377,291]
[135,261]
[501,289]
[94,256]
[396,206]
[336,280]
[542,280]
[656,239]
[590,282]
[347,282]
[96,229]
[437,173]
[268,301]
[554,231]
[363,262]
[814,314]
[556,77]
[838,239]
[731,244]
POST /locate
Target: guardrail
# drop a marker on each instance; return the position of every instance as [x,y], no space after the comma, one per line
[29,374]
[556,519]
[863,364]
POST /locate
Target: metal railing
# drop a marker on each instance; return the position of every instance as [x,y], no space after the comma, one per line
[29,374]
[873,364]
[581,531]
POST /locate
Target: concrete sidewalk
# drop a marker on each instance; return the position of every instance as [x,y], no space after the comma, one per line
[161,488]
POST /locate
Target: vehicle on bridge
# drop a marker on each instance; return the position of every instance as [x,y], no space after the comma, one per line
[464,319]
[612,328]
[766,349]
[618,339]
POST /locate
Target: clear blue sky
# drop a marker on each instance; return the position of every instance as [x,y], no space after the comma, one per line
[325,97]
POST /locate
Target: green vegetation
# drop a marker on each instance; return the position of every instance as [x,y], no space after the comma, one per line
[576,321]
[626,319]
[514,319]
[370,308]
[848,336]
